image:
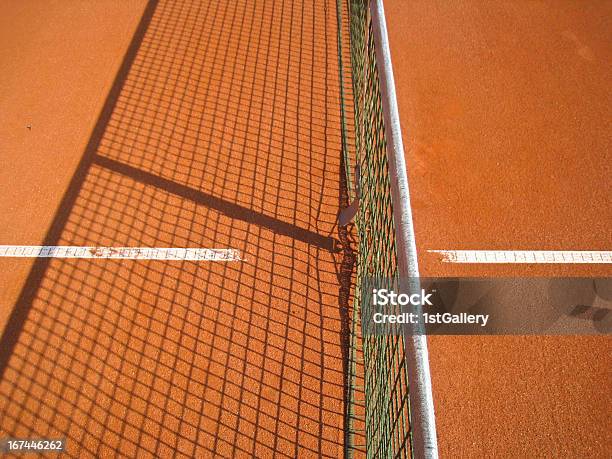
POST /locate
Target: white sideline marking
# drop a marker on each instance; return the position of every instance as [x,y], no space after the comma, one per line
[120,253]
[526,256]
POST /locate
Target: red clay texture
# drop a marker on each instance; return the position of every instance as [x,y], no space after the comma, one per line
[504,109]
[217,125]
[58,61]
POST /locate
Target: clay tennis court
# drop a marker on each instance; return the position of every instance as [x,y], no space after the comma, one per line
[503,108]
[218,125]
[179,124]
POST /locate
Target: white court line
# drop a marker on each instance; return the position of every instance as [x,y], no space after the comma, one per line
[526,256]
[119,253]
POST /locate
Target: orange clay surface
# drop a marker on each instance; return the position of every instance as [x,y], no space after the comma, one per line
[173,124]
[505,110]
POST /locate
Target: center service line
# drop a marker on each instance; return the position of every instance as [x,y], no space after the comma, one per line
[526,256]
[119,253]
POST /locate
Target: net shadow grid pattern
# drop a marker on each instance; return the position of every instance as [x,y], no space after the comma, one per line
[221,131]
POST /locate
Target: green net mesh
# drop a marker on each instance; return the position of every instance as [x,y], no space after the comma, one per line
[385,384]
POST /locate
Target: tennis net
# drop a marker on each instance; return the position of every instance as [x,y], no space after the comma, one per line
[398,410]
